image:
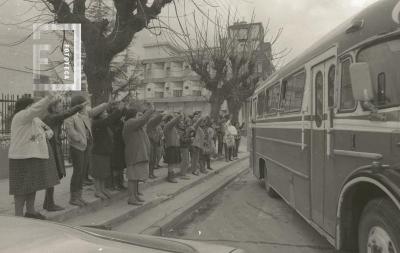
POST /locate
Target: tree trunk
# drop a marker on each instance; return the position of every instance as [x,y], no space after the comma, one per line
[99,88]
[97,70]
[234,109]
[216,101]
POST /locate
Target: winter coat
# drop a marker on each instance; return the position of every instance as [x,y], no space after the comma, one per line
[79,125]
[137,143]
[152,130]
[28,139]
[103,135]
[55,121]
[171,133]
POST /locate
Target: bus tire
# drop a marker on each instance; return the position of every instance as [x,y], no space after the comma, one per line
[271,192]
[379,227]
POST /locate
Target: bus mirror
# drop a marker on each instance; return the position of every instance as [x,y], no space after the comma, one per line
[361,82]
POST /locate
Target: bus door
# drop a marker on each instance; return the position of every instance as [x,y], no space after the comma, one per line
[251,137]
[319,139]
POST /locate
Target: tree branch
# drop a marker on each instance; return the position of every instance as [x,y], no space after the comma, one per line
[131,18]
[79,7]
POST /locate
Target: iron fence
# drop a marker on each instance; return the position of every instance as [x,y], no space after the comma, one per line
[64,139]
[7,105]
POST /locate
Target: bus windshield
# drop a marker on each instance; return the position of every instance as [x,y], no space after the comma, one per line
[384,62]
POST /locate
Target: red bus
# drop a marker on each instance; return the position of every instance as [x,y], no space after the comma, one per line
[325,132]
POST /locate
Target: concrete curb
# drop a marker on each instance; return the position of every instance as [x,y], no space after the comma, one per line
[115,221]
[153,203]
[160,228]
[96,204]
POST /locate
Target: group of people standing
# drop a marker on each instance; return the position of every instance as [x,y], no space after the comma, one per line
[104,141]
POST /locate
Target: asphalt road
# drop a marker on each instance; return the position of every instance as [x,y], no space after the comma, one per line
[244,216]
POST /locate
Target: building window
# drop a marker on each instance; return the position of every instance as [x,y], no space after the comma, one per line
[159,94]
[148,89]
[347,101]
[197,93]
[259,68]
[178,93]
[243,34]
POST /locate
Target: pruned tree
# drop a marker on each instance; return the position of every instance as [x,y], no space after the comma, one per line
[103,36]
[230,57]
[131,17]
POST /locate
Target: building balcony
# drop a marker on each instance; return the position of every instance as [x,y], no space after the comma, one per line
[150,79]
[178,99]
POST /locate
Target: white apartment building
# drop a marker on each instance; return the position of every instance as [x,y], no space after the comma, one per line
[169,81]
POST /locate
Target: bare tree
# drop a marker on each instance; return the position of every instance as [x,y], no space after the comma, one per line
[227,56]
[127,75]
[103,36]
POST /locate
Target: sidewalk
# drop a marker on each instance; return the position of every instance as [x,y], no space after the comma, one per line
[164,199]
[62,193]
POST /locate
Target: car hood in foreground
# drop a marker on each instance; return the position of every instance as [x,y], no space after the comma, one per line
[26,235]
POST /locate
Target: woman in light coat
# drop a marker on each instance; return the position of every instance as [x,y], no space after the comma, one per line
[229,140]
[31,160]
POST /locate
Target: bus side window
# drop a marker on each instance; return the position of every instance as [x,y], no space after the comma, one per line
[283,92]
[292,93]
[273,98]
[260,104]
[347,101]
[254,109]
[331,86]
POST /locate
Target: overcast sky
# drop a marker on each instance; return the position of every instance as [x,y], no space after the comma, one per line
[303,21]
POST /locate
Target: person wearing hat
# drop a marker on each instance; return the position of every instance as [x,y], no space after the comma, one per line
[55,120]
[80,138]
[31,160]
[137,148]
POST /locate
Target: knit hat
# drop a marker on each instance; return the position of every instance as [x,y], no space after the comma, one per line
[77,100]
[130,113]
[22,104]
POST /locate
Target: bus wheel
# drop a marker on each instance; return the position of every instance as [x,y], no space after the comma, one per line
[271,192]
[379,228]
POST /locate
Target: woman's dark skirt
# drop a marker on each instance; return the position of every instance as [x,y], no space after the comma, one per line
[173,155]
[33,174]
[101,166]
[118,160]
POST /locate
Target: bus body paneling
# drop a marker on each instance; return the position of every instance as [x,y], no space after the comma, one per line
[315,156]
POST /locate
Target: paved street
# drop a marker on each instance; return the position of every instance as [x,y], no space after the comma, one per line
[244,216]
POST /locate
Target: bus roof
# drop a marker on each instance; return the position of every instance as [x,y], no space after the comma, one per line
[379,18]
